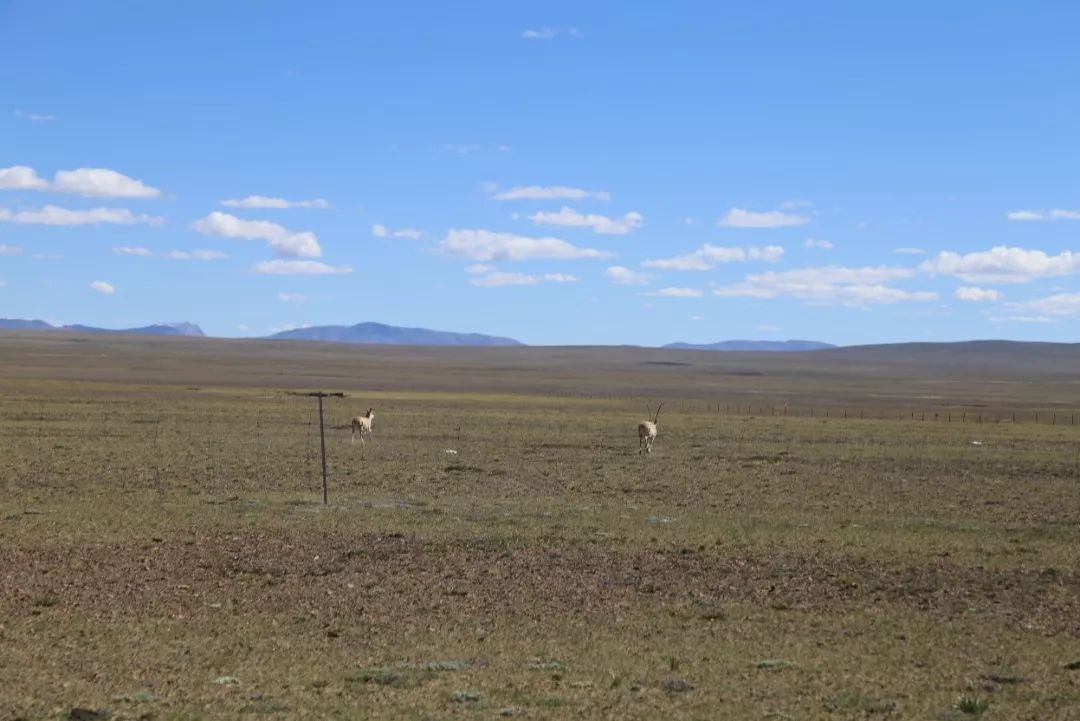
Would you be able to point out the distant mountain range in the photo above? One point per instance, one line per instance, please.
(183, 329)
(390, 334)
(755, 345)
(383, 334)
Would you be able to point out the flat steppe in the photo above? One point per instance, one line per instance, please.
(878, 532)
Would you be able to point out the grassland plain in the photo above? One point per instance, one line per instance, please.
(164, 552)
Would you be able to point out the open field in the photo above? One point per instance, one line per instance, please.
(164, 552)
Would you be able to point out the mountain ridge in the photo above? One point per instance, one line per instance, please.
(383, 334)
(185, 329)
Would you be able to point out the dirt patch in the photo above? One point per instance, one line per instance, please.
(393, 579)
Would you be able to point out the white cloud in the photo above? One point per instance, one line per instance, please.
(197, 255)
(102, 287)
(381, 231)
(816, 243)
(54, 215)
(101, 183)
(1002, 264)
(460, 149)
(262, 201)
(1025, 215)
(709, 256)
(300, 267)
(568, 217)
(550, 33)
(678, 293)
(1054, 305)
(546, 192)
(21, 177)
(739, 218)
(1055, 214)
(976, 295)
(479, 268)
(304, 244)
(88, 182)
(497, 279)
(131, 250)
(292, 297)
(494, 280)
(622, 275)
(486, 245)
(6, 249)
(909, 251)
(832, 285)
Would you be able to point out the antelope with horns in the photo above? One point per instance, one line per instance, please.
(362, 425)
(646, 432)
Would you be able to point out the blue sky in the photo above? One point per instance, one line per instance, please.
(566, 173)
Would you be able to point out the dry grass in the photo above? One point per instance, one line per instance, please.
(165, 554)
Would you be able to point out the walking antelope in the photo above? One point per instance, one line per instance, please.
(362, 424)
(646, 432)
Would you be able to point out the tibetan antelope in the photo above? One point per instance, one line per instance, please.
(646, 432)
(362, 425)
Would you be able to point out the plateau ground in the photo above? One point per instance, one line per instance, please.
(166, 553)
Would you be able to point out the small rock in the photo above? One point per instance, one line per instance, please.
(226, 680)
(537, 664)
(1073, 666)
(466, 696)
(678, 685)
(508, 711)
(773, 664)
